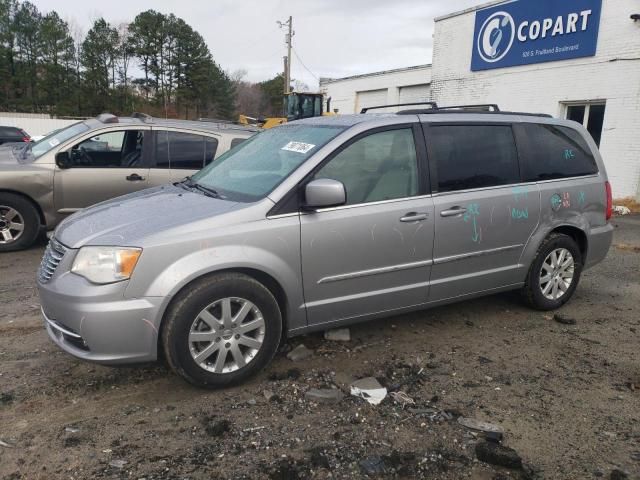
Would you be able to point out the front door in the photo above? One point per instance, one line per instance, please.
(373, 254)
(483, 215)
(103, 166)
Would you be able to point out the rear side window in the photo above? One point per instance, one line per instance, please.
(473, 156)
(211, 145)
(186, 151)
(556, 152)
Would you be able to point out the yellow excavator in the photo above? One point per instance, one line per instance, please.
(297, 105)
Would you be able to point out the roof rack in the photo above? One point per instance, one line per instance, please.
(433, 105)
(142, 116)
(483, 107)
(107, 118)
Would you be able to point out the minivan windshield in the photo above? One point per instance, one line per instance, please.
(54, 139)
(250, 171)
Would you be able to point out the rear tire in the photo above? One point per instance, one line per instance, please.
(221, 330)
(19, 222)
(554, 274)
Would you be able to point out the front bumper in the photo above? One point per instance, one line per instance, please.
(96, 323)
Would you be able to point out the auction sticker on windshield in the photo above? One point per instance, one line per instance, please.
(298, 147)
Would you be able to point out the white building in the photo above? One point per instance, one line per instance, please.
(577, 59)
(403, 85)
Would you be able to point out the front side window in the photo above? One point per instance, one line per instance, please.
(254, 168)
(118, 149)
(474, 156)
(380, 166)
(183, 151)
(556, 152)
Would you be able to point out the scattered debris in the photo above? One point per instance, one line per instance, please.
(117, 463)
(496, 454)
(621, 210)
(325, 395)
(484, 360)
(6, 398)
(291, 374)
(318, 458)
(272, 397)
(402, 398)
(217, 428)
(338, 335)
(5, 444)
(299, 353)
(373, 465)
(370, 389)
(564, 320)
(617, 474)
(71, 430)
(626, 246)
(479, 425)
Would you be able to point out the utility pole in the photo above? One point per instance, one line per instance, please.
(287, 60)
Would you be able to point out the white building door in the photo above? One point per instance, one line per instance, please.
(371, 98)
(415, 93)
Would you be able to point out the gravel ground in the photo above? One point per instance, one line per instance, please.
(565, 394)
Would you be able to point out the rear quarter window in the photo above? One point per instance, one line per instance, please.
(10, 132)
(555, 151)
(237, 141)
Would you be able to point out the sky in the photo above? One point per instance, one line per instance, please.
(333, 38)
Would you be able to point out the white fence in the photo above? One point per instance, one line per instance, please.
(33, 124)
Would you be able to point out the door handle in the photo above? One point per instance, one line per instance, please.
(453, 212)
(414, 217)
(134, 177)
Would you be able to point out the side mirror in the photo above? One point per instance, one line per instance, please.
(324, 193)
(63, 160)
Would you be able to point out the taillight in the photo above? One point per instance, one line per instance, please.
(26, 139)
(609, 213)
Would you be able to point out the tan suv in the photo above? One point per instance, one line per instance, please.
(96, 160)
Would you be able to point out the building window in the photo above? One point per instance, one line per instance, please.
(590, 115)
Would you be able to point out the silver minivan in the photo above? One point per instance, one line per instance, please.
(325, 222)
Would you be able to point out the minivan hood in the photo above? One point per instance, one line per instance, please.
(128, 219)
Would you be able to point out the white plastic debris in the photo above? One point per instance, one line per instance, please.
(620, 210)
(370, 389)
(479, 425)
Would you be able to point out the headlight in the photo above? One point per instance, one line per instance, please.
(106, 264)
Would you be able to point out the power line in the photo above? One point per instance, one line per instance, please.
(305, 67)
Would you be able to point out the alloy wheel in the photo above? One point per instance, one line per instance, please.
(11, 224)
(556, 274)
(226, 335)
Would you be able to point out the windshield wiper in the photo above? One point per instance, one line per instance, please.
(210, 192)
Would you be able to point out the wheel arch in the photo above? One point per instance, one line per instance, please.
(269, 282)
(577, 234)
(30, 200)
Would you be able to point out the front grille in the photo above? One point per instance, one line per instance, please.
(52, 256)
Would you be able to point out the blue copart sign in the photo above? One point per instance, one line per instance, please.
(533, 31)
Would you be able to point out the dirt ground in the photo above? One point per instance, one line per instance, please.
(566, 395)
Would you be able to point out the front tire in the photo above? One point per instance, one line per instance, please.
(221, 330)
(19, 222)
(554, 273)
